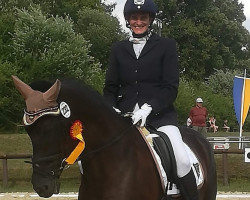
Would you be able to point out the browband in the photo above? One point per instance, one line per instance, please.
(30, 117)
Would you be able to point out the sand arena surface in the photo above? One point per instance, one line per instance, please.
(33, 196)
(73, 196)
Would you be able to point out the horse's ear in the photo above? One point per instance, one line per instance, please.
(22, 87)
(51, 94)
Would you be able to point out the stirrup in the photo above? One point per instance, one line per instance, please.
(166, 196)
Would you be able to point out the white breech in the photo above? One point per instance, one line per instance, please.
(182, 159)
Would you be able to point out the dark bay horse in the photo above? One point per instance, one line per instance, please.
(116, 161)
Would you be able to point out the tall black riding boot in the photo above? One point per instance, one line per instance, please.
(188, 187)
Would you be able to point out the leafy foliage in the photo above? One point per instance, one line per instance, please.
(185, 99)
(10, 111)
(49, 47)
(44, 48)
(221, 82)
(209, 34)
(101, 30)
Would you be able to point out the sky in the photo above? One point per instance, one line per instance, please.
(120, 5)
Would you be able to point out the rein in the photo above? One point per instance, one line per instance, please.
(113, 141)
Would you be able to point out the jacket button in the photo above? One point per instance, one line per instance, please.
(136, 71)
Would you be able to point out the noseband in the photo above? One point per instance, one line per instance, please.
(55, 173)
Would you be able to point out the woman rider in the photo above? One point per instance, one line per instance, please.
(143, 78)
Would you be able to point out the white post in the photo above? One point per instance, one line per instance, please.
(242, 109)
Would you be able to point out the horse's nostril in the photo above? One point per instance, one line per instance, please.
(45, 187)
(41, 189)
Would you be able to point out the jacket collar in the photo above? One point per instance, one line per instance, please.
(152, 41)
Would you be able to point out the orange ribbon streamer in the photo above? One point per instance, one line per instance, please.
(76, 133)
(75, 154)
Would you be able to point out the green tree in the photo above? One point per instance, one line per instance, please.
(49, 47)
(221, 82)
(209, 34)
(185, 100)
(43, 43)
(101, 29)
(67, 7)
(10, 104)
(7, 21)
(44, 48)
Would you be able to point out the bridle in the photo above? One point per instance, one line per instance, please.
(55, 173)
(30, 118)
(33, 116)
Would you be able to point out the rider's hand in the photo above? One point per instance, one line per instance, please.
(142, 114)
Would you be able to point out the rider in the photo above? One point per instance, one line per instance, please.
(143, 78)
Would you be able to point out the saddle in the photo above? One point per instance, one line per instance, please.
(163, 148)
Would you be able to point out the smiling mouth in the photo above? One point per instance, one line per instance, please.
(139, 27)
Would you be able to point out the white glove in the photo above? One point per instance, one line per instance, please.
(142, 114)
(117, 110)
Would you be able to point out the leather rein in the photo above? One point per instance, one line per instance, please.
(111, 142)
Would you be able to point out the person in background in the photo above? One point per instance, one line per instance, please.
(212, 122)
(189, 123)
(225, 126)
(143, 78)
(198, 115)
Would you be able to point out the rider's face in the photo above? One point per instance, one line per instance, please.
(139, 22)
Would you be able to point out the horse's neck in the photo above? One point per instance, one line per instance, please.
(116, 154)
(121, 166)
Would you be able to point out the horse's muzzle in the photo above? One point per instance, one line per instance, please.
(45, 186)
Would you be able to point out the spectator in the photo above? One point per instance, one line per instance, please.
(213, 126)
(198, 115)
(225, 126)
(189, 123)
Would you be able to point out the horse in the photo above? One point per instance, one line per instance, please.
(67, 120)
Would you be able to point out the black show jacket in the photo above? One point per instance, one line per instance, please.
(153, 78)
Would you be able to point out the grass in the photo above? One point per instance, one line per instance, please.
(19, 173)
